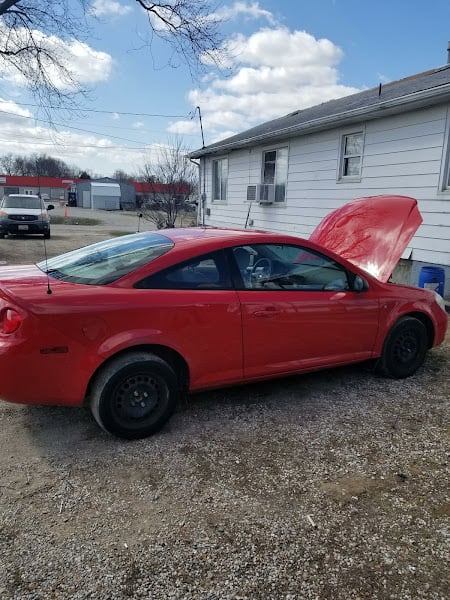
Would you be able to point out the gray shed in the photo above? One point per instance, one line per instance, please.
(106, 194)
(103, 196)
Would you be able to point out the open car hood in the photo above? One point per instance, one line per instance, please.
(372, 232)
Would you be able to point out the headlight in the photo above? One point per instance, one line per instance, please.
(440, 300)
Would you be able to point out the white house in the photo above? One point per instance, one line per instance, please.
(286, 174)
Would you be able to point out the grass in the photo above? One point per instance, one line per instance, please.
(57, 220)
(117, 233)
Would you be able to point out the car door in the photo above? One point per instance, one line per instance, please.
(195, 310)
(299, 311)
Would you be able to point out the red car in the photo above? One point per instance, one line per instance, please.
(129, 324)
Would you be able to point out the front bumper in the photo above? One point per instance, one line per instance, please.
(23, 227)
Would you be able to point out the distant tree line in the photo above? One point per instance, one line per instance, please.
(39, 165)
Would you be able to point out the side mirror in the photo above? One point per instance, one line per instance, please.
(360, 284)
(50, 207)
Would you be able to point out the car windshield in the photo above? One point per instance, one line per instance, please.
(105, 262)
(22, 202)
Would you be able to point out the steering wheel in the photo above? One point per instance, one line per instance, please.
(262, 269)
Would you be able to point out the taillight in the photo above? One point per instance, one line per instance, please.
(10, 320)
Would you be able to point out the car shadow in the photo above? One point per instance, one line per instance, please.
(64, 431)
(68, 431)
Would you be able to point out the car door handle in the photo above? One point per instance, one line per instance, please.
(267, 313)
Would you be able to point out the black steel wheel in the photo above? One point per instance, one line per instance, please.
(404, 348)
(134, 395)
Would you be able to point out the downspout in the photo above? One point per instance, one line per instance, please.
(200, 209)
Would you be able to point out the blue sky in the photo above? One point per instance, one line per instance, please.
(286, 55)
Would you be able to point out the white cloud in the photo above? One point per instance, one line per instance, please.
(383, 78)
(273, 72)
(138, 125)
(183, 127)
(21, 134)
(86, 64)
(101, 8)
(89, 65)
(9, 110)
(161, 17)
(250, 10)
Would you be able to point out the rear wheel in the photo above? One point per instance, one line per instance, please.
(134, 395)
(404, 348)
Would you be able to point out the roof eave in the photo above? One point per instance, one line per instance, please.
(383, 108)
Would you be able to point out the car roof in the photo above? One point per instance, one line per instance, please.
(22, 196)
(196, 234)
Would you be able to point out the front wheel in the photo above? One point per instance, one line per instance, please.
(404, 348)
(47, 235)
(134, 395)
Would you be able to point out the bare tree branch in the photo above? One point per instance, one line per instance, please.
(188, 26)
(179, 178)
(34, 33)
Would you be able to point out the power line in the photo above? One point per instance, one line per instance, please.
(106, 112)
(64, 145)
(70, 127)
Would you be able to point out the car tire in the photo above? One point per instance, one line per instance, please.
(47, 235)
(2, 235)
(404, 348)
(134, 395)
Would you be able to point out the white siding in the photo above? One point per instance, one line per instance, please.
(403, 154)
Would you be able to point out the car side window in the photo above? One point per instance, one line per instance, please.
(288, 267)
(206, 272)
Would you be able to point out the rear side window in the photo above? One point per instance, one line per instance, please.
(206, 272)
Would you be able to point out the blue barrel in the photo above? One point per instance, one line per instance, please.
(432, 278)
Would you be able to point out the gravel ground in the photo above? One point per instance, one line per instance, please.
(330, 485)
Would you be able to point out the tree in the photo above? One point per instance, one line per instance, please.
(172, 184)
(7, 164)
(121, 175)
(36, 165)
(30, 29)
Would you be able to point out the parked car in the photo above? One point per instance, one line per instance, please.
(127, 325)
(24, 214)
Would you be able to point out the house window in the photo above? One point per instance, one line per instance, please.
(220, 177)
(352, 146)
(275, 169)
(445, 181)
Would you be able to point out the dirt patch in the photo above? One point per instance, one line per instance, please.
(330, 485)
(79, 228)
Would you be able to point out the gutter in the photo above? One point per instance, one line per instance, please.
(423, 97)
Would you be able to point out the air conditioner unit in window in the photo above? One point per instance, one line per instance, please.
(264, 193)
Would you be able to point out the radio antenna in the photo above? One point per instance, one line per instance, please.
(49, 289)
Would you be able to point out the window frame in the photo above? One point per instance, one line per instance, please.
(275, 149)
(343, 156)
(223, 197)
(444, 179)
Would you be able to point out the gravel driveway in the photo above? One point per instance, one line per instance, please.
(330, 485)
